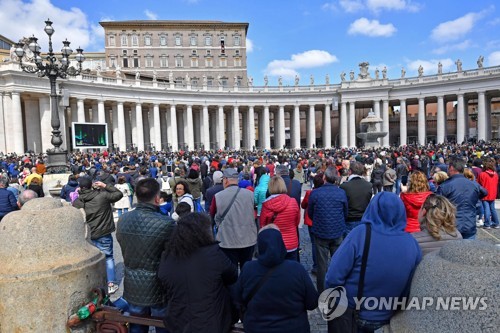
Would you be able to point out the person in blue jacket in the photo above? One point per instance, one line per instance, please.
(282, 301)
(392, 259)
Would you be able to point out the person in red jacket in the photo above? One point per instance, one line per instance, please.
(413, 199)
(317, 182)
(283, 211)
(489, 180)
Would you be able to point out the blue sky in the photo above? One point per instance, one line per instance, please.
(288, 37)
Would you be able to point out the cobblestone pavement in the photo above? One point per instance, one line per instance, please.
(318, 325)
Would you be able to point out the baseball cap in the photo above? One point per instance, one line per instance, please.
(217, 177)
(230, 173)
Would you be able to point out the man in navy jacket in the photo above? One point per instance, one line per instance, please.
(327, 209)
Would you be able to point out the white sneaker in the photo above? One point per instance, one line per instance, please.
(479, 223)
(112, 288)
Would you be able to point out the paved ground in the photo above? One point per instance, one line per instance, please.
(318, 325)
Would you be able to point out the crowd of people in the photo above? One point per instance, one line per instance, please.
(212, 237)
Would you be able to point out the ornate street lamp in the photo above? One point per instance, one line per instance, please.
(51, 67)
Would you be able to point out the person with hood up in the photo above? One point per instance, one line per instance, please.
(284, 212)
(284, 297)
(260, 192)
(393, 256)
(71, 186)
(489, 180)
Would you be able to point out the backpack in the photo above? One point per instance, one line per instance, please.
(165, 185)
(74, 195)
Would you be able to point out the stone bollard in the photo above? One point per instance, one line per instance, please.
(462, 271)
(47, 267)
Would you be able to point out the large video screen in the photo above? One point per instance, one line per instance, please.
(90, 135)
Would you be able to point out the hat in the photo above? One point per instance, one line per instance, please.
(282, 170)
(84, 182)
(217, 177)
(230, 173)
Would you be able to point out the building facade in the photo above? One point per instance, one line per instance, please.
(143, 114)
(187, 52)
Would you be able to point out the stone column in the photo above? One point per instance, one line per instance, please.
(376, 111)
(421, 121)
(33, 129)
(107, 118)
(189, 124)
(440, 120)
(139, 127)
(280, 128)
(74, 110)
(385, 123)
(122, 139)
(266, 129)
(236, 128)
(81, 110)
(488, 116)
(17, 131)
(101, 116)
(114, 115)
(352, 124)
(481, 115)
(149, 127)
(62, 128)
(403, 135)
(296, 127)
(311, 127)
(157, 126)
(2, 124)
(343, 124)
(45, 134)
(205, 120)
(327, 126)
(251, 127)
(95, 116)
(173, 127)
(221, 141)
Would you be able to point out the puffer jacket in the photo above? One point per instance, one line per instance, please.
(327, 208)
(489, 180)
(98, 211)
(464, 194)
(142, 234)
(286, 215)
(413, 202)
(260, 192)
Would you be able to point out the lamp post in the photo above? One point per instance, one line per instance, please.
(52, 67)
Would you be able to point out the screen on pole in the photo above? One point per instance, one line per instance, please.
(90, 135)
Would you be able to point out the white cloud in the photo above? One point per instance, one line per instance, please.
(430, 66)
(307, 59)
(494, 22)
(351, 6)
(494, 59)
(329, 6)
(455, 29)
(22, 19)
(378, 5)
(454, 47)
(150, 15)
(249, 44)
(372, 28)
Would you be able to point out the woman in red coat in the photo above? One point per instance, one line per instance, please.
(283, 211)
(489, 180)
(413, 199)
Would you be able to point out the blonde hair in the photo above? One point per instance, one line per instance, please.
(277, 185)
(440, 215)
(418, 183)
(468, 174)
(440, 177)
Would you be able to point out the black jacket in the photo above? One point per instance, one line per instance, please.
(359, 194)
(8, 202)
(142, 234)
(98, 211)
(197, 295)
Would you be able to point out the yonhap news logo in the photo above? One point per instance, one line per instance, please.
(333, 303)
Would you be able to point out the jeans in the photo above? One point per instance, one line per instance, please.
(155, 311)
(350, 226)
(121, 211)
(292, 255)
(325, 248)
(490, 213)
(105, 245)
(468, 236)
(480, 209)
(398, 186)
(389, 188)
(239, 256)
